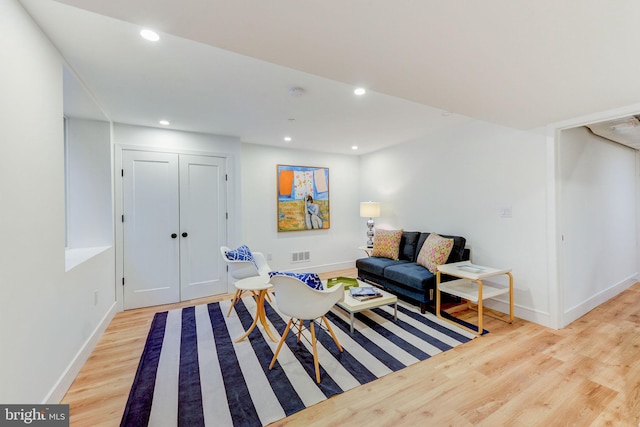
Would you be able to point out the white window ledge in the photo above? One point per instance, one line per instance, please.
(75, 257)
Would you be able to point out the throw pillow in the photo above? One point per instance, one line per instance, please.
(387, 243)
(434, 252)
(243, 253)
(310, 279)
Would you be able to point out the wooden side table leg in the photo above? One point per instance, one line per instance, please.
(438, 294)
(510, 297)
(251, 328)
(480, 308)
(263, 315)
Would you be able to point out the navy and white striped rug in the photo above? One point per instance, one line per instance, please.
(193, 373)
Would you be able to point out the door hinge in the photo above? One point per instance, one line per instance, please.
(123, 281)
(226, 177)
(122, 218)
(226, 215)
(121, 172)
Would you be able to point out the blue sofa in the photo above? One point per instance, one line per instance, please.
(405, 277)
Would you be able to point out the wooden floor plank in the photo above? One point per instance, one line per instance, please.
(520, 374)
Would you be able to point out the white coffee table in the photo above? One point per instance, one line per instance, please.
(353, 306)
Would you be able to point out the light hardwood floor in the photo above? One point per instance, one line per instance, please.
(519, 374)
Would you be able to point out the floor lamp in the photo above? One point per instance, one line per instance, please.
(370, 210)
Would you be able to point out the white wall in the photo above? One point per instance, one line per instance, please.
(456, 182)
(90, 211)
(48, 316)
(598, 196)
(332, 249)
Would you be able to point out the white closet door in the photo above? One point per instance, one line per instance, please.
(151, 217)
(203, 222)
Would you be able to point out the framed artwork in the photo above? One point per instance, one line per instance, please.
(303, 198)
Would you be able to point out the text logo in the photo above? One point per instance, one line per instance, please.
(34, 415)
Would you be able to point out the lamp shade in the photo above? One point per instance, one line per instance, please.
(369, 209)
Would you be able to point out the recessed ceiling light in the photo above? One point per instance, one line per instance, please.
(150, 35)
(164, 122)
(360, 91)
(354, 147)
(287, 138)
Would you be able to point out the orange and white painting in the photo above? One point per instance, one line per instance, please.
(303, 198)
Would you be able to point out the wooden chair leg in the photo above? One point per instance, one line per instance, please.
(315, 351)
(235, 299)
(335, 339)
(286, 331)
(300, 325)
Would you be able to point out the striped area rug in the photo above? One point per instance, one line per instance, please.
(193, 373)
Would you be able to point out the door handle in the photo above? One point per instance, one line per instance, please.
(174, 235)
(184, 234)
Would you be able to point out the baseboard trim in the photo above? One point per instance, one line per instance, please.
(64, 383)
(594, 301)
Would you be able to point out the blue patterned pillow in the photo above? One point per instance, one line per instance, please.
(310, 279)
(241, 254)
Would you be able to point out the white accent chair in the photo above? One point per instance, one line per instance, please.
(243, 269)
(298, 300)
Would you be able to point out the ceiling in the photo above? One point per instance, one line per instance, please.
(226, 67)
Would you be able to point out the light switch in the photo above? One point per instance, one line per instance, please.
(506, 212)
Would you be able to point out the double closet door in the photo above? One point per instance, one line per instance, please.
(174, 222)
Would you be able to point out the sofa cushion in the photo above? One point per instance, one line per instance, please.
(387, 243)
(434, 252)
(408, 244)
(376, 265)
(457, 252)
(411, 275)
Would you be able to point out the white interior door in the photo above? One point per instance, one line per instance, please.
(151, 216)
(202, 226)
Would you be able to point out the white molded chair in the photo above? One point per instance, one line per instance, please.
(294, 298)
(243, 269)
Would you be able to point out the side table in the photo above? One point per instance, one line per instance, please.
(469, 286)
(368, 250)
(261, 285)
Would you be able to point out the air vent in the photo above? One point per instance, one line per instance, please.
(300, 256)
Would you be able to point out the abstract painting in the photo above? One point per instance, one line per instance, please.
(303, 198)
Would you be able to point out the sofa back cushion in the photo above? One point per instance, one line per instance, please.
(408, 245)
(457, 252)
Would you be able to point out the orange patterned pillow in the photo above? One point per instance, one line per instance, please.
(387, 243)
(435, 251)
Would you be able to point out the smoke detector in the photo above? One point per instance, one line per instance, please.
(296, 91)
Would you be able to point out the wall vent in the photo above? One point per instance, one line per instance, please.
(300, 256)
